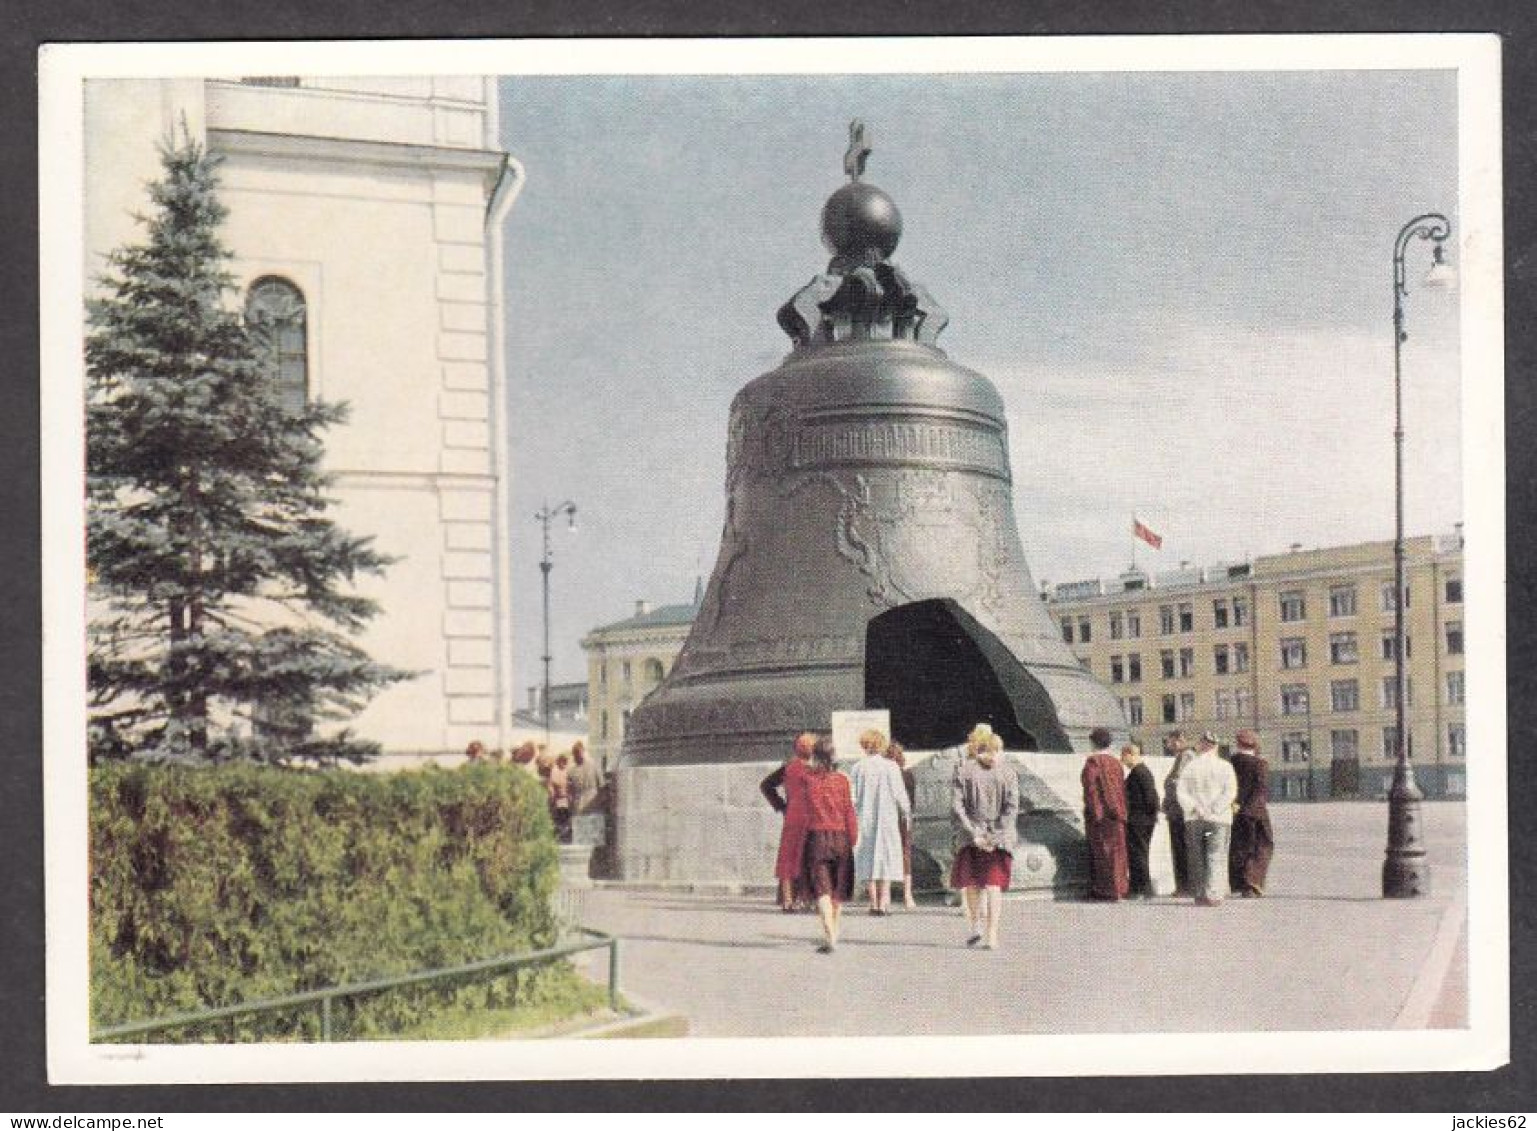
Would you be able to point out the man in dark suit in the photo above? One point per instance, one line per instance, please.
(1141, 818)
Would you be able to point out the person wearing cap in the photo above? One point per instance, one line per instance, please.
(1177, 747)
(1141, 818)
(1104, 819)
(1208, 791)
(1253, 841)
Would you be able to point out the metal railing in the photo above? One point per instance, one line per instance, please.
(596, 940)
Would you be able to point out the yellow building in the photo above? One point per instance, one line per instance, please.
(626, 661)
(1297, 646)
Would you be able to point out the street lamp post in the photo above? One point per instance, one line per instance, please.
(1406, 871)
(546, 564)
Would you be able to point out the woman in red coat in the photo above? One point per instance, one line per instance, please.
(792, 803)
(832, 827)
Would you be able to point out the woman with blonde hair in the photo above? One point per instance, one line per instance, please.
(880, 800)
(985, 808)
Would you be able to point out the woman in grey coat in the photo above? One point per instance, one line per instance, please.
(985, 808)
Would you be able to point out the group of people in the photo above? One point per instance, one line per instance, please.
(570, 779)
(845, 831)
(842, 831)
(1217, 810)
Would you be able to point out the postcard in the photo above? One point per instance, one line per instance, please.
(736, 558)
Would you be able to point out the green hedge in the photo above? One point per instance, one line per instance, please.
(217, 885)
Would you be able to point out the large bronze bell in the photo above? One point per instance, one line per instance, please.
(870, 556)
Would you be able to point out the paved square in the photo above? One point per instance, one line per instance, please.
(1322, 951)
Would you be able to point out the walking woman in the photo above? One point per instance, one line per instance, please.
(791, 803)
(880, 801)
(910, 784)
(985, 808)
(832, 830)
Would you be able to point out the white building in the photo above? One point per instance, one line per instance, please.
(366, 217)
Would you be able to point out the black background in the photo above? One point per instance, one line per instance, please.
(23, 1084)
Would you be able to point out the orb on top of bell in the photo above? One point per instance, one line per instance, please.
(861, 223)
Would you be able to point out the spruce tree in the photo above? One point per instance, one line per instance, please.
(222, 593)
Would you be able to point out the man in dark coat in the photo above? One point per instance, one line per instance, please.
(1253, 842)
(1104, 819)
(1176, 746)
(1141, 818)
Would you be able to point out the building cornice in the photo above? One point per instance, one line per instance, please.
(490, 164)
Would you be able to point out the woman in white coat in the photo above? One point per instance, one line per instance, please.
(880, 800)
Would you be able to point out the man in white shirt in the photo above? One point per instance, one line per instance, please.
(1208, 791)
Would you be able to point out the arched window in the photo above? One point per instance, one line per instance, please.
(276, 317)
(651, 671)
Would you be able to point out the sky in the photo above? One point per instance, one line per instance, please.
(1180, 283)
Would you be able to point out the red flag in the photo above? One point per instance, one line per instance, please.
(1142, 532)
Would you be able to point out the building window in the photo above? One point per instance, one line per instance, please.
(1170, 710)
(1133, 624)
(603, 725)
(1166, 657)
(1387, 597)
(1345, 695)
(1165, 619)
(1083, 630)
(1134, 710)
(1186, 617)
(1454, 638)
(1219, 659)
(1345, 745)
(1390, 743)
(1390, 693)
(624, 671)
(1224, 703)
(1293, 606)
(1342, 601)
(651, 671)
(1117, 626)
(1117, 670)
(602, 675)
(1294, 746)
(1067, 630)
(277, 321)
(1186, 706)
(1186, 663)
(1294, 652)
(1134, 668)
(1390, 646)
(1240, 657)
(1454, 590)
(1240, 611)
(1219, 613)
(1455, 692)
(1342, 648)
(1294, 699)
(1243, 703)
(1456, 740)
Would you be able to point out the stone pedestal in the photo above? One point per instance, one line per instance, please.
(708, 826)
